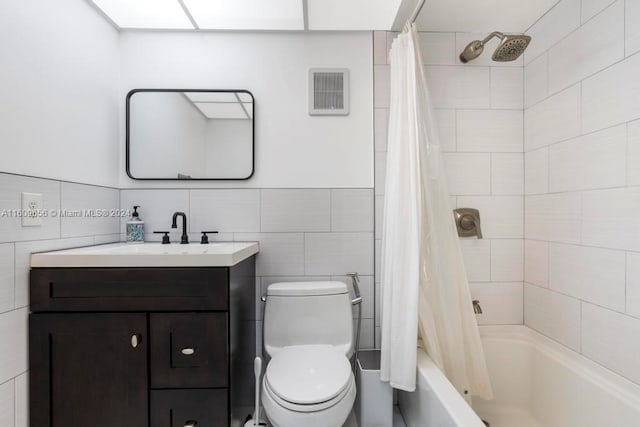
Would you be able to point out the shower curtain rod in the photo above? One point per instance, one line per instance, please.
(417, 10)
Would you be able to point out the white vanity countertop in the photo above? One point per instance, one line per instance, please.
(216, 254)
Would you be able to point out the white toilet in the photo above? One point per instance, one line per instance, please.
(308, 334)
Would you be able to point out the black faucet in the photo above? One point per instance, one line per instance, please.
(185, 238)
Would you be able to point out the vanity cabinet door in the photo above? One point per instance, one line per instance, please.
(88, 369)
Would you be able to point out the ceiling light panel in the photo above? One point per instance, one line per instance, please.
(222, 110)
(247, 14)
(166, 14)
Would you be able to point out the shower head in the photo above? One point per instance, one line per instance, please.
(510, 48)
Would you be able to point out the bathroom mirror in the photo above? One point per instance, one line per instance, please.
(190, 134)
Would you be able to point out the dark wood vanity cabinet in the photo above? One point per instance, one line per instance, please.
(160, 347)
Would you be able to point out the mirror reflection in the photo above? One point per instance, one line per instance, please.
(195, 134)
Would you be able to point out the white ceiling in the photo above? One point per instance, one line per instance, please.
(323, 15)
(511, 16)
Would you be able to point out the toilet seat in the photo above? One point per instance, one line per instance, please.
(308, 378)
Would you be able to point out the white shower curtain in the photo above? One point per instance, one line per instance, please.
(425, 291)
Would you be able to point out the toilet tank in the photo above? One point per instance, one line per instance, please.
(304, 313)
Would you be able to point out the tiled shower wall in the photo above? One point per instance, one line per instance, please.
(304, 234)
(16, 243)
(478, 107)
(582, 180)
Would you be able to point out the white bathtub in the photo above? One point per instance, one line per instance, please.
(536, 381)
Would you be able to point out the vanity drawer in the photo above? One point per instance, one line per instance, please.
(129, 289)
(180, 408)
(189, 350)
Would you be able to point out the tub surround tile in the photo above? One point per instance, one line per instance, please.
(459, 86)
(536, 78)
(633, 153)
(536, 171)
(501, 216)
(555, 119)
(291, 210)
(468, 174)
(477, 258)
(507, 174)
(501, 303)
(591, 48)
(553, 217)
(438, 48)
(507, 87)
(603, 331)
(22, 400)
(632, 30)
(552, 27)
(590, 274)
(381, 129)
(590, 8)
(382, 85)
(507, 258)
(536, 262)
(224, 210)
(610, 97)
(552, 314)
(489, 130)
(609, 218)
(446, 121)
(380, 172)
(633, 284)
(597, 160)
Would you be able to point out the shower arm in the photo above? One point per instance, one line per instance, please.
(490, 36)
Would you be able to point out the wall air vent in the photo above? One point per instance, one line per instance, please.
(328, 92)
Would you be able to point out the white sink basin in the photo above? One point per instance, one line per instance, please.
(217, 254)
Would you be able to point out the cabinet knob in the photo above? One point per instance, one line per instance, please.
(188, 351)
(135, 340)
(190, 423)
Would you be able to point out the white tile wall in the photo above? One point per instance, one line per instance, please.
(7, 407)
(223, 210)
(157, 208)
(507, 260)
(338, 253)
(560, 21)
(553, 217)
(477, 258)
(633, 283)
(592, 47)
(536, 171)
(536, 262)
(583, 187)
(590, 274)
(22, 400)
(77, 197)
(352, 210)
(609, 218)
(553, 314)
(468, 174)
(536, 80)
(611, 96)
(507, 87)
(555, 119)
(438, 48)
(597, 160)
(507, 170)
(501, 303)
(446, 120)
(501, 216)
(284, 210)
(633, 153)
(593, 7)
(632, 30)
(609, 338)
(457, 87)
(489, 130)
(13, 330)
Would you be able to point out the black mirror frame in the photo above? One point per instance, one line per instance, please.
(253, 134)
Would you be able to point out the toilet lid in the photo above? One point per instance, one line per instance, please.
(308, 374)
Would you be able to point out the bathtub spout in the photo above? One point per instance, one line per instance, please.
(476, 307)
